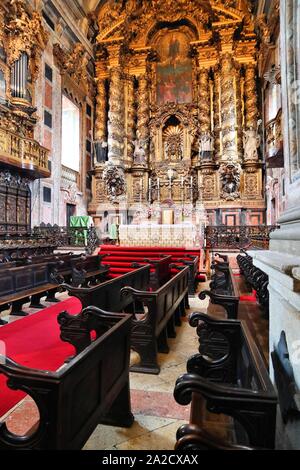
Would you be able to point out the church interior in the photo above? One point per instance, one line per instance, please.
(150, 225)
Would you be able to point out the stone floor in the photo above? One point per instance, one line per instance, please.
(157, 415)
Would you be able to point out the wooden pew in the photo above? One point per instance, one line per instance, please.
(163, 312)
(18, 285)
(230, 376)
(88, 270)
(256, 279)
(92, 388)
(223, 291)
(107, 295)
(161, 272)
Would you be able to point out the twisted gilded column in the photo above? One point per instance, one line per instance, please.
(251, 97)
(101, 113)
(143, 112)
(131, 116)
(217, 112)
(228, 108)
(239, 109)
(204, 101)
(116, 116)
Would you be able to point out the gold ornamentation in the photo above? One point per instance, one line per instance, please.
(228, 109)
(116, 115)
(251, 96)
(131, 116)
(73, 64)
(204, 101)
(24, 32)
(101, 115)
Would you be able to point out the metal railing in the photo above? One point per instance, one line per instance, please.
(237, 237)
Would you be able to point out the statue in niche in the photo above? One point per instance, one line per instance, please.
(252, 142)
(230, 181)
(139, 155)
(206, 144)
(101, 151)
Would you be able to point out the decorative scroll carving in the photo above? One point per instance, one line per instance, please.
(230, 175)
(114, 178)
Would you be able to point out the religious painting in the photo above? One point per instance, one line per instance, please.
(174, 71)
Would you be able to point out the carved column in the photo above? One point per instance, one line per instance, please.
(131, 117)
(251, 97)
(101, 112)
(239, 109)
(228, 109)
(143, 112)
(217, 112)
(204, 101)
(116, 116)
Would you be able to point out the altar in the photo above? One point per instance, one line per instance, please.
(185, 235)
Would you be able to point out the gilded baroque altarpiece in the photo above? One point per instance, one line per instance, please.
(177, 116)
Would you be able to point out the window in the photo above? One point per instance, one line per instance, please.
(70, 134)
(46, 194)
(48, 73)
(48, 119)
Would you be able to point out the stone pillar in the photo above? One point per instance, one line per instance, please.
(228, 109)
(131, 117)
(251, 97)
(282, 262)
(204, 101)
(116, 117)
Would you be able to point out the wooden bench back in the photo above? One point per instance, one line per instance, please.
(23, 278)
(74, 400)
(107, 295)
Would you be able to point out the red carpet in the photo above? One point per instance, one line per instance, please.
(34, 342)
(249, 298)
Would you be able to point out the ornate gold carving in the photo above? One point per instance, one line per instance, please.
(101, 115)
(228, 109)
(143, 111)
(217, 112)
(74, 64)
(24, 32)
(116, 116)
(230, 175)
(204, 101)
(251, 96)
(21, 151)
(131, 116)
